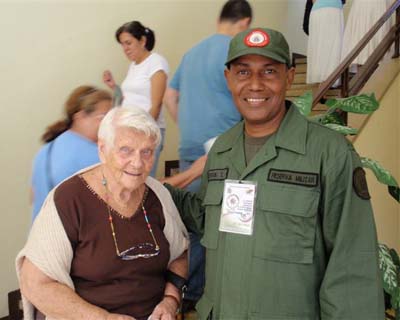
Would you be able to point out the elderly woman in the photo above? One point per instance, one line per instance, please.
(108, 242)
(70, 143)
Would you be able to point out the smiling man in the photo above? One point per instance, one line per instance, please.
(283, 210)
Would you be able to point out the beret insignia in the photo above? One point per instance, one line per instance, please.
(257, 38)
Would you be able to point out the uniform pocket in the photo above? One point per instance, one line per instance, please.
(285, 223)
(212, 204)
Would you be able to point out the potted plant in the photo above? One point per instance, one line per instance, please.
(389, 262)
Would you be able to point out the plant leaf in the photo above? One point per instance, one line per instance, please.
(394, 192)
(380, 173)
(341, 129)
(331, 102)
(304, 103)
(395, 299)
(334, 118)
(363, 103)
(388, 269)
(395, 257)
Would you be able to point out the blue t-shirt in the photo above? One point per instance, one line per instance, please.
(206, 108)
(70, 153)
(327, 4)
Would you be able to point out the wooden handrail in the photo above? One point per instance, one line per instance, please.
(343, 69)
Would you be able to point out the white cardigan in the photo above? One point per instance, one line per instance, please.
(49, 248)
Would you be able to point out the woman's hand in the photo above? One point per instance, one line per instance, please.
(165, 310)
(108, 79)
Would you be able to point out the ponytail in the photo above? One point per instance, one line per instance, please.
(55, 129)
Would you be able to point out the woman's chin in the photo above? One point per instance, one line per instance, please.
(132, 182)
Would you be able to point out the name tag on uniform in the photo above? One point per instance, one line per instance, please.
(237, 212)
(306, 179)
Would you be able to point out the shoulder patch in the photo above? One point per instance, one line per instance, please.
(306, 179)
(360, 183)
(217, 174)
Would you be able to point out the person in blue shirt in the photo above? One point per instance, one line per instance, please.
(198, 99)
(70, 143)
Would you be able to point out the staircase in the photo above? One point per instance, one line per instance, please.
(299, 86)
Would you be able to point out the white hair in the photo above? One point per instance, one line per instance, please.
(128, 117)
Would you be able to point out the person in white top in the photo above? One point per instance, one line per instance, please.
(146, 81)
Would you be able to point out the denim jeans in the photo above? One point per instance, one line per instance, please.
(158, 152)
(196, 278)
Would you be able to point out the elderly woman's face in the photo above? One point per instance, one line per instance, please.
(131, 159)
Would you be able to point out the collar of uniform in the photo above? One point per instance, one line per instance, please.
(292, 133)
(233, 136)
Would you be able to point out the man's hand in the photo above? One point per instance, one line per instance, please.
(108, 79)
(165, 310)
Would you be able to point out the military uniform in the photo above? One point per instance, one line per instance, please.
(313, 251)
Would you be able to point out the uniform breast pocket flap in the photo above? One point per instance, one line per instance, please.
(285, 223)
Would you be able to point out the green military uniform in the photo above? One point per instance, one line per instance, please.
(313, 251)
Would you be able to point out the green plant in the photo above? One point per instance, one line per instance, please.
(389, 262)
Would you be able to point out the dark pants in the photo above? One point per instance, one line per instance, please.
(196, 279)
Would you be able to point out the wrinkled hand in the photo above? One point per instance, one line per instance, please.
(115, 316)
(165, 310)
(108, 79)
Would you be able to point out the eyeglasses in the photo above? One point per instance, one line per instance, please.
(130, 254)
(143, 250)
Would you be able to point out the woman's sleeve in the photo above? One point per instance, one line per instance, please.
(158, 63)
(48, 248)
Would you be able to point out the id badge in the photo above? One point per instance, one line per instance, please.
(237, 212)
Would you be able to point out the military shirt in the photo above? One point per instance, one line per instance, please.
(313, 251)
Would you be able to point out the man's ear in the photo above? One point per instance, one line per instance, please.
(290, 77)
(243, 24)
(227, 78)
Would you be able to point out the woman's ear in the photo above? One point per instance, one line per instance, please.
(102, 149)
(143, 41)
(78, 115)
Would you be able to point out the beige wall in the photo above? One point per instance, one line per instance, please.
(51, 46)
(380, 140)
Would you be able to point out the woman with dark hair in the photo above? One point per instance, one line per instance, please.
(70, 143)
(146, 81)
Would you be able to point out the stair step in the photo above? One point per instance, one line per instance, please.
(304, 86)
(299, 92)
(301, 68)
(320, 108)
(300, 60)
(300, 78)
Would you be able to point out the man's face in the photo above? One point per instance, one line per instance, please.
(258, 85)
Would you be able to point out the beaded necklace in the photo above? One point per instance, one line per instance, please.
(141, 247)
